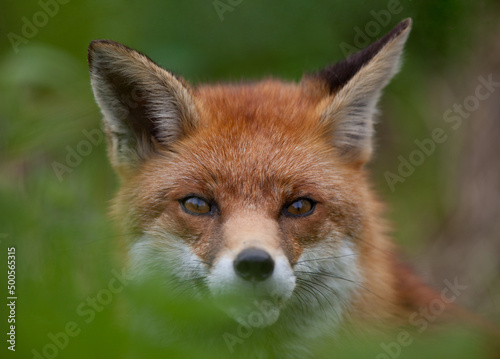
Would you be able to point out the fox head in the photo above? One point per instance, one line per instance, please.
(253, 190)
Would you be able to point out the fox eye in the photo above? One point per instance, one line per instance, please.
(195, 205)
(300, 207)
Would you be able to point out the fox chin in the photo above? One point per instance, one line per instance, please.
(255, 195)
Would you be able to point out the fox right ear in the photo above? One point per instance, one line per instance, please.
(145, 107)
(351, 89)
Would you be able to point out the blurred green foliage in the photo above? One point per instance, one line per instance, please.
(60, 226)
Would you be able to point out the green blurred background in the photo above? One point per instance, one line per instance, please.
(446, 214)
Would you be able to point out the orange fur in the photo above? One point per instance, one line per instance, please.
(248, 151)
(245, 130)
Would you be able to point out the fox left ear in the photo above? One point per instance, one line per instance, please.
(352, 88)
(145, 107)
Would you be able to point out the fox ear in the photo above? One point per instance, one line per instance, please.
(352, 88)
(145, 107)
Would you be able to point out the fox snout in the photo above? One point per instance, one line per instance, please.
(255, 265)
(250, 265)
(251, 257)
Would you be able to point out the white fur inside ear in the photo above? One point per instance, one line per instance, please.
(140, 101)
(351, 111)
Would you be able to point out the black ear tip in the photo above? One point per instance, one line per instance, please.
(339, 74)
(93, 47)
(90, 52)
(99, 44)
(96, 45)
(397, 30)
(405, 24)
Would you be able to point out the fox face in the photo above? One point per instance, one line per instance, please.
(251, 202)
(253, 191)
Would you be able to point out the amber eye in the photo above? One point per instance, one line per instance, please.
(301, 207)
(195, 205)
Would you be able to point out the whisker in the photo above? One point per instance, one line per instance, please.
(310, 285)
(302, 300)
(334, 292)
(311, 292)
(202, 262)
(337, 277)
(323, 259)
(313, 289)
(317, 283)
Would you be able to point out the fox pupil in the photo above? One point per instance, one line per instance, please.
(300, 207)
(195, 205)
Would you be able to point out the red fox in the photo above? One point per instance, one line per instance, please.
(258, 191)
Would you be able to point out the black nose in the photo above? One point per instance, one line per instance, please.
(254, 264)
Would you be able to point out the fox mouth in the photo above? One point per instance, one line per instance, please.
(251, 298)
(257, 311)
